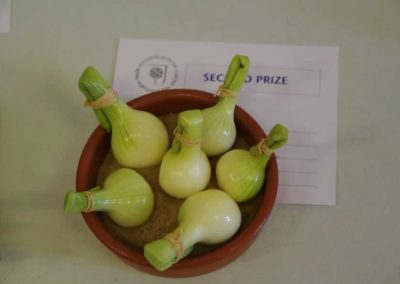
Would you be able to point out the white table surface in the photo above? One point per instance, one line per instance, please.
(43, 129)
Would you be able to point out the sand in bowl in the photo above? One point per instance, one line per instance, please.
(164, 217)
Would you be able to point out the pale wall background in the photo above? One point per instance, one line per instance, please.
(43, 129)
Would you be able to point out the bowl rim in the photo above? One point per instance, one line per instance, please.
(199, 264)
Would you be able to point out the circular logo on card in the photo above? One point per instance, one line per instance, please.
(156, 73)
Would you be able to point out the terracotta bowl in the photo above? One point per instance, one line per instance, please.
(163, 102)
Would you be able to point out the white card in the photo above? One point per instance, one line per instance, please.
(5, 9)
(293, 85)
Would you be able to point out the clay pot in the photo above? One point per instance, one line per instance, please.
(162, 102)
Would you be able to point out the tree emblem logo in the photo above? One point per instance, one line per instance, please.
(156, 73)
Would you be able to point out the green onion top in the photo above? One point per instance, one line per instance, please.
(94, 86)
(237, 73)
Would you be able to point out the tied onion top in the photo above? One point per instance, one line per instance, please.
(138, 138)
(219, 130)
(185, 168)
(125, 196)
(241, 173)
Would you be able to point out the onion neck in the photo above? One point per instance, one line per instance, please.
(179, 148)
(75, 202)
(116, 113)
(79, 201)
(189, 128)
(163, 253)
(227, 105)
(277, 137)
(94, 86)
(263, 158)
(190, 236)
(237, 73)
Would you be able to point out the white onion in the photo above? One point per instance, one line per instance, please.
(138, 139)
(219, 130)
(185, 168)
(210, 217)
(125, 196)
(241, 173)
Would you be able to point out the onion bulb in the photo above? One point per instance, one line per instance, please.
(241, 173)
(138, 138)
(219, 130)
(185, 168)
(210, 217)
(125, 196)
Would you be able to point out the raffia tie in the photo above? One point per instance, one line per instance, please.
(90, 202)
(185, 141)
(176, 240)
(224, 92)
(263, 148)
(106, 100)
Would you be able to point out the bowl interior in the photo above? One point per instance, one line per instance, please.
(160, 103)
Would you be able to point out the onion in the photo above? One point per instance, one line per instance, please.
(210, 217)
(126, 197)
(185, 168)
(219, 130)
(138, 138)
(241, 173)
